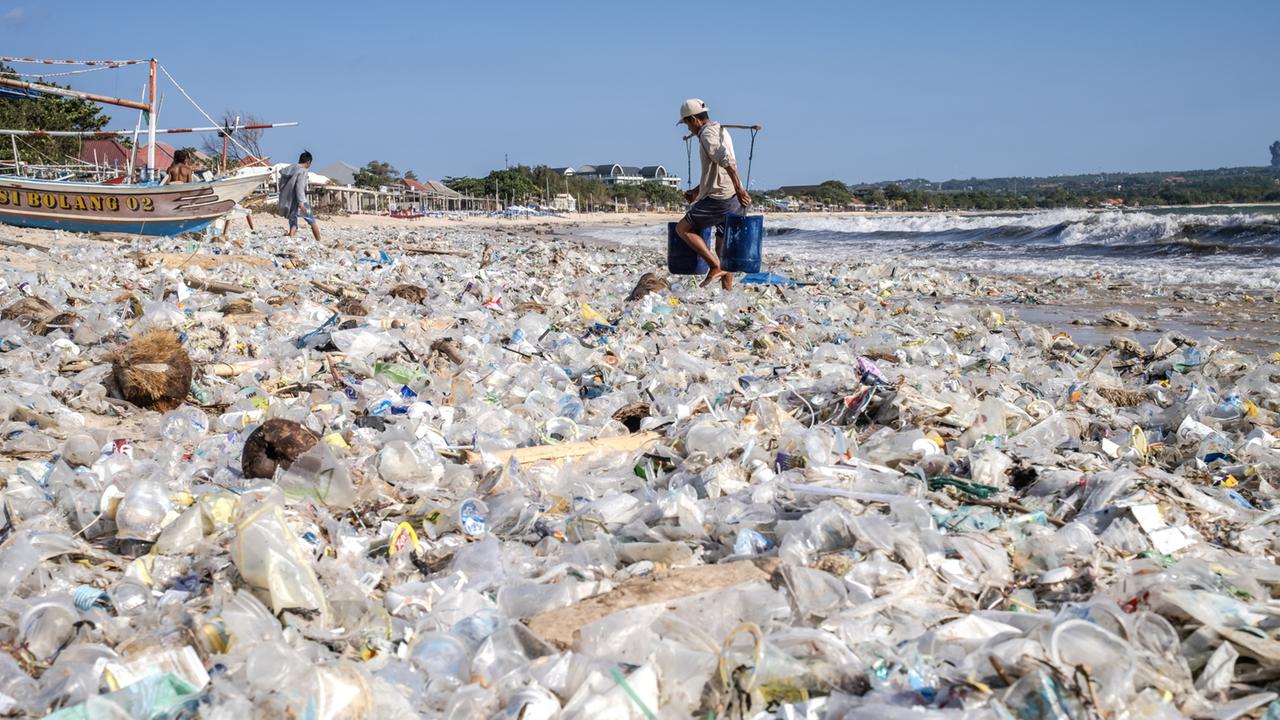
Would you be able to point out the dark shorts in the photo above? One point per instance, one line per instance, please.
(710, 212)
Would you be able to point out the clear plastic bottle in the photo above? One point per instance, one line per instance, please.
(142, 510)
(185, 425)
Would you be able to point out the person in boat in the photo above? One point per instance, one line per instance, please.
(180, 171)
(718, 193)
(293, 196)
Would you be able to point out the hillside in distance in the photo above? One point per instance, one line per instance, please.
(1133, 189)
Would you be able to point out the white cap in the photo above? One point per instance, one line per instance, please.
(692, 106)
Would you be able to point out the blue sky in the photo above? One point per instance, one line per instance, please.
(848, 90)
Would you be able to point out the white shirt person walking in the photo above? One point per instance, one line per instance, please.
(718, 193)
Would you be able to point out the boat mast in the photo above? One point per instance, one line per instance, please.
(151, 123)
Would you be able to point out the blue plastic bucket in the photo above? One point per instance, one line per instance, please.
(742, 241)
(681, 259)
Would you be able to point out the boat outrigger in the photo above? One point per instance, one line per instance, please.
(147, 207)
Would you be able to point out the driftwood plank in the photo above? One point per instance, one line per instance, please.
(567, 451)
(560, 627)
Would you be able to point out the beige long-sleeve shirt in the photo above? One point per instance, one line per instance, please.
(715, 150)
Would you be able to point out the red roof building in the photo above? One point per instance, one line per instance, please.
(415, 185)
(108, 152)
(164, 156)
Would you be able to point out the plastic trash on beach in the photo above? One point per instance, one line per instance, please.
(468, 472)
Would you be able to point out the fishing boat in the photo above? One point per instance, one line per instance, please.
(147, 207)
(144, 209)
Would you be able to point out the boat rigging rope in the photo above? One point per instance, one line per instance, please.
(206, 115)
(42, 76)
(108, 63)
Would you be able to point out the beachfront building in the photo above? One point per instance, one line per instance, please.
(618, 174)
(405, 195)
(564, 202)
(433, 195)
(339, 173)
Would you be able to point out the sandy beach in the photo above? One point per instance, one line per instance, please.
(585, 473)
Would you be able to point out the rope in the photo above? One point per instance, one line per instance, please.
(622, 683)
(757, 655)
(64, 74)
(37, 61)
(688, 152)
(206, 115)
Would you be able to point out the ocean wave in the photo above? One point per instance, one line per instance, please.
(1077, 220)
(932, 223)
(1159, 245)
(1087, 231)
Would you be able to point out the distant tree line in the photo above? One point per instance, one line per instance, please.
(525, 185)
(1192, 187)
(46, 112)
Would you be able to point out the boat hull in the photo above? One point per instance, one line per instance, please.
(141, 209)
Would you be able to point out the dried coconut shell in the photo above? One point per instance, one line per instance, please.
(632, 414)
(412, 293)
(649, 283)
(350, 306)
(276, 443)
(239, 306)
(1121, 397)
(65, 321)
(153, 370)
(448, 348)
(30, 311)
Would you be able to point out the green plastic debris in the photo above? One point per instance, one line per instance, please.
(977, 490)
(156, 697)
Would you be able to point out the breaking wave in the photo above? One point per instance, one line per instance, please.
(1057, 233)
(1207, 245)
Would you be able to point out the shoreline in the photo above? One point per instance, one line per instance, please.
(1214, 309)
(653, 217)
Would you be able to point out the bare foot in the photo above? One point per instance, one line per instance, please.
(712, 275)
(726, 281)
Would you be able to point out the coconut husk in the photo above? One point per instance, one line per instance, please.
(448, 348)
(412, 293)
(239, 306)
(632, 415)
(350, 306)
(882, 356)
(31, 311)
(153, 370)
(649, 283)
(275, 443)
(62, 321)
(1121, 397)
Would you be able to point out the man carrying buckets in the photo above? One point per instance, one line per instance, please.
(718, 193)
